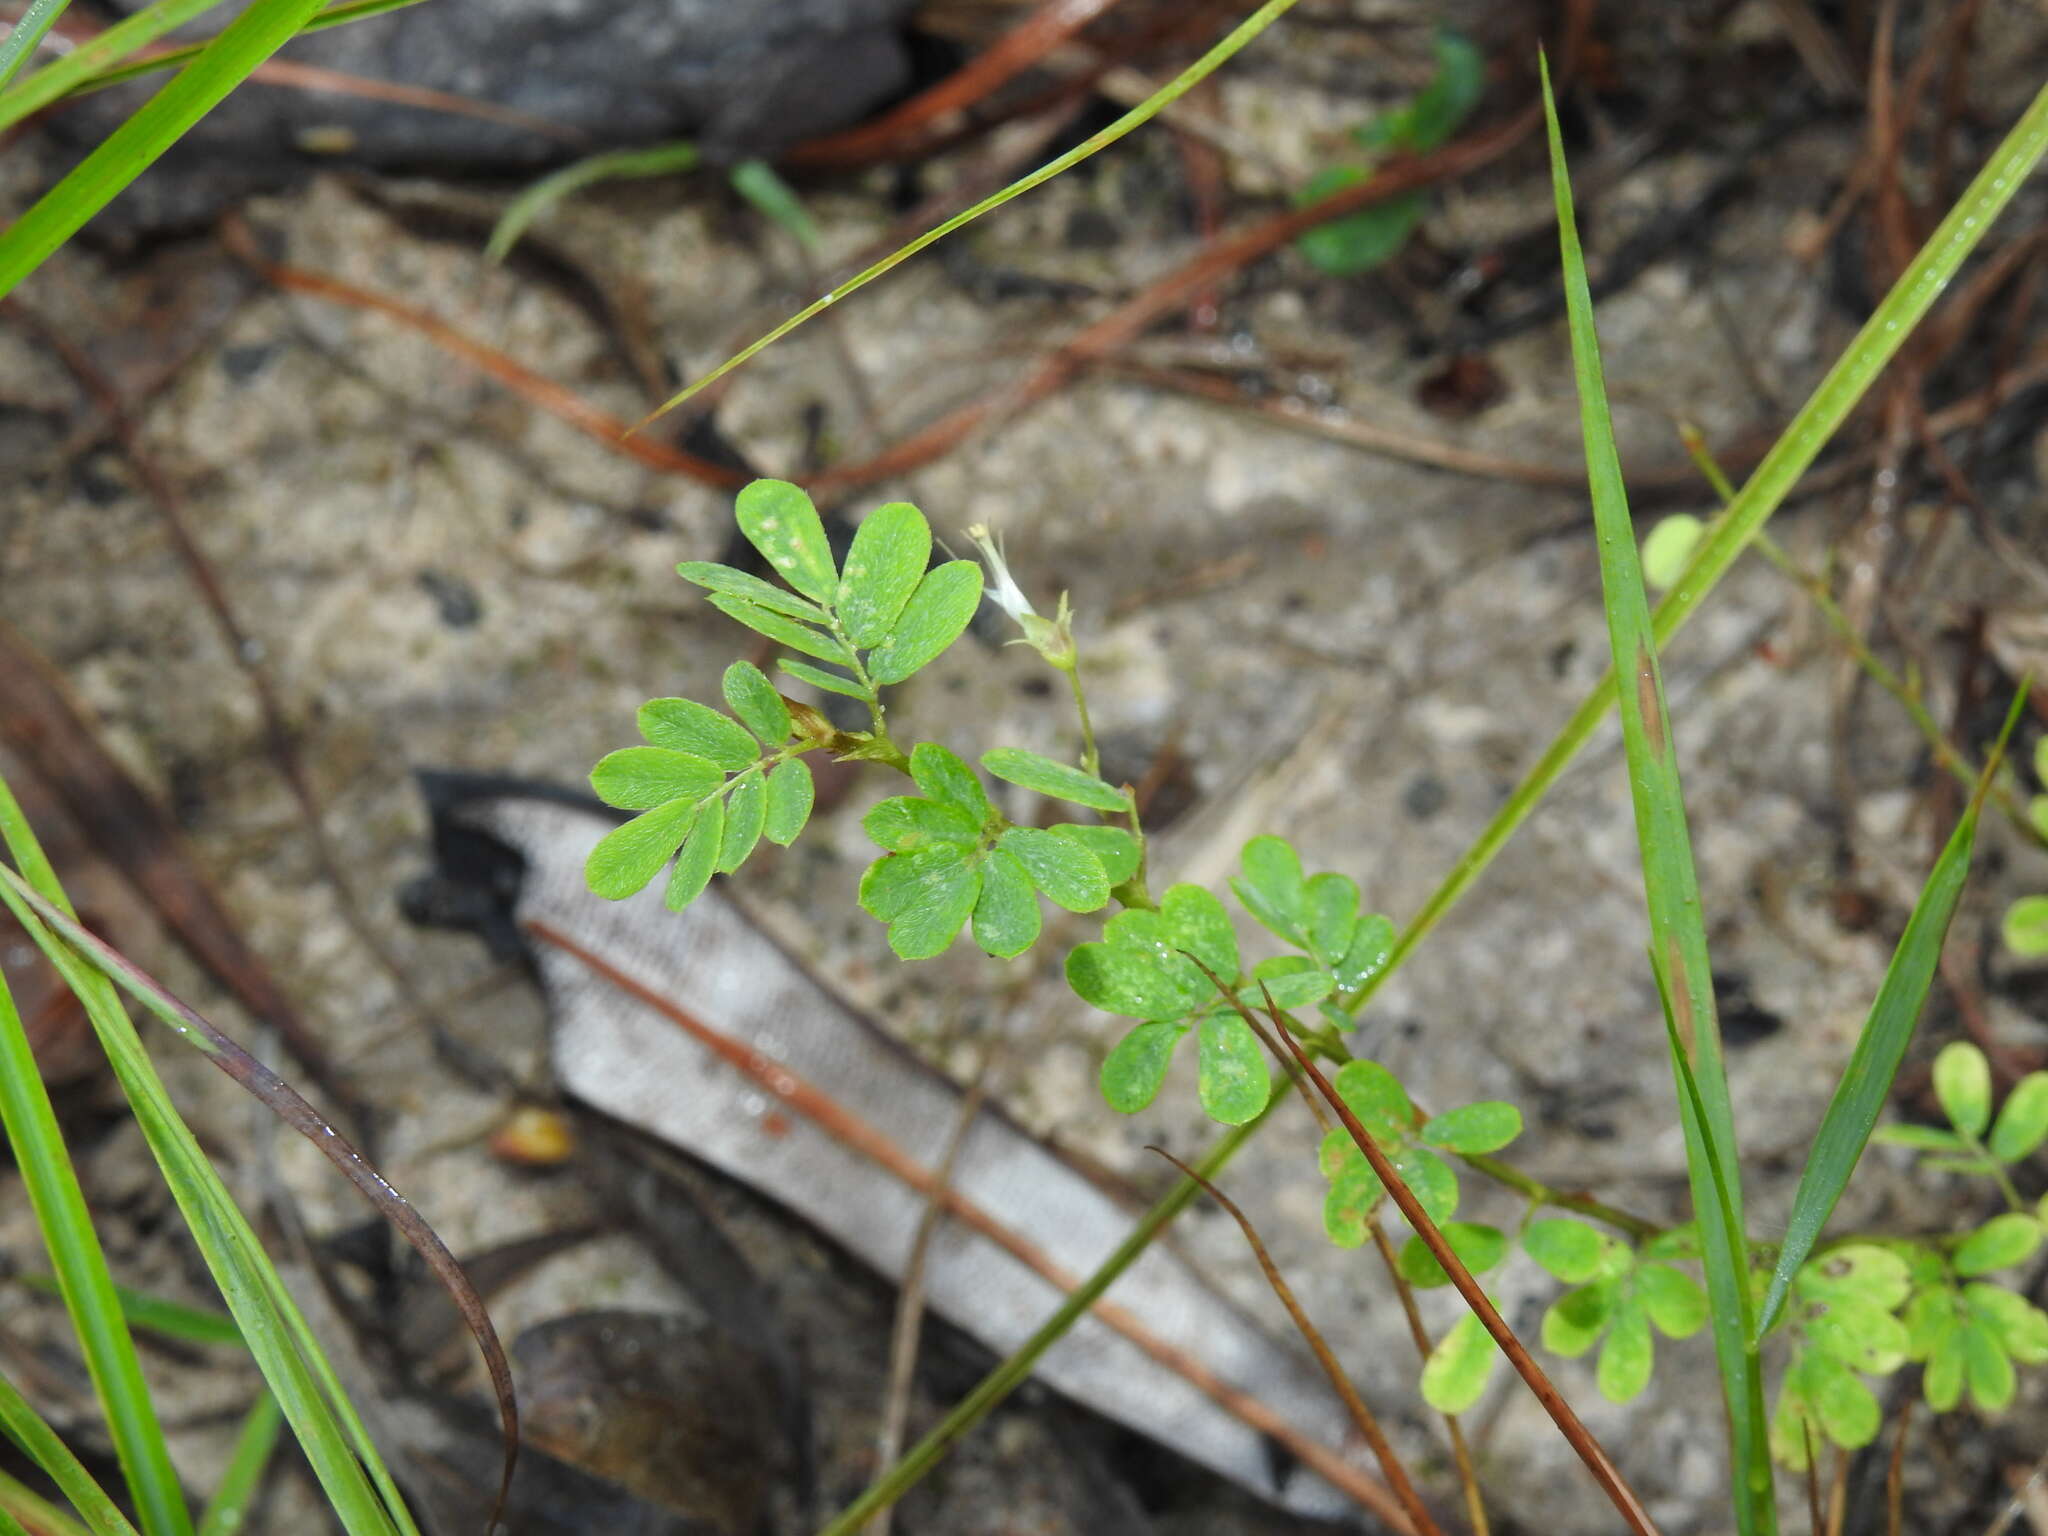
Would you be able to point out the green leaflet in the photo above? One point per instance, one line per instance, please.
(684, 725)
(750, 695)
(932, 620)
(1006, 918)
(779, 520)
(791, 793)
(1028, 770)
(887, 559)
(1134, 1070)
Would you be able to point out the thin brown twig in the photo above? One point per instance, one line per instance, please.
(1895, 1472)
(1418, 1331)
(1361, 1416)
(1838, 1493)
(1581, 1440)
(1813, 1515)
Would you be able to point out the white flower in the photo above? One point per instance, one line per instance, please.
(1052, 638)
(1003, 590)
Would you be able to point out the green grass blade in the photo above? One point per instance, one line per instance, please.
(1139, 115)
(1866, 1084)
(1671, 886)
(20, 43)
(84, 1281)
(60, 77)
(25, 1427)
(177, 58)
(756, 181)
(229, 1507)
(24, 1511)
(268, 1320)
(130, 149)
(153, 1314)
(615, 165)
(1794, 452)
(1013, 1372)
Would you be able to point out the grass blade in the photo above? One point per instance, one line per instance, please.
(22, 38)
(131, 148)
(615, 165)
(335, 15)
(24, 1512)
(60, 77)
(25, 1427)
(1139, 115)
(153, 1314)
(1866, 1084)
(84, 1280)
(229, 1507)
(245, 1277)
(1894, 320)
(1678, 935)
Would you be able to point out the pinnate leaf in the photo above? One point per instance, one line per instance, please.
(1429, 1179)
(1332, 916)
(2025, 926)
(1061, 781)
(1287, 981)
(1138, 982)
(779, 520)
(1577, 1318)
(1372, 946)
(932, 620)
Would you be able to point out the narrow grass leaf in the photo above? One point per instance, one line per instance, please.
(61, 76)
(615, 165)
(131, 148)
(1677, 933)
(1164, 97)
(756, 181)
(26, 1428)
(1866, 1083)
(228, 1510)
(155, 1314)
(86, 1284)
(27, 31)
(19, 1503)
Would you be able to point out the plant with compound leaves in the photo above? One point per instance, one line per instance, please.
(709, 785)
